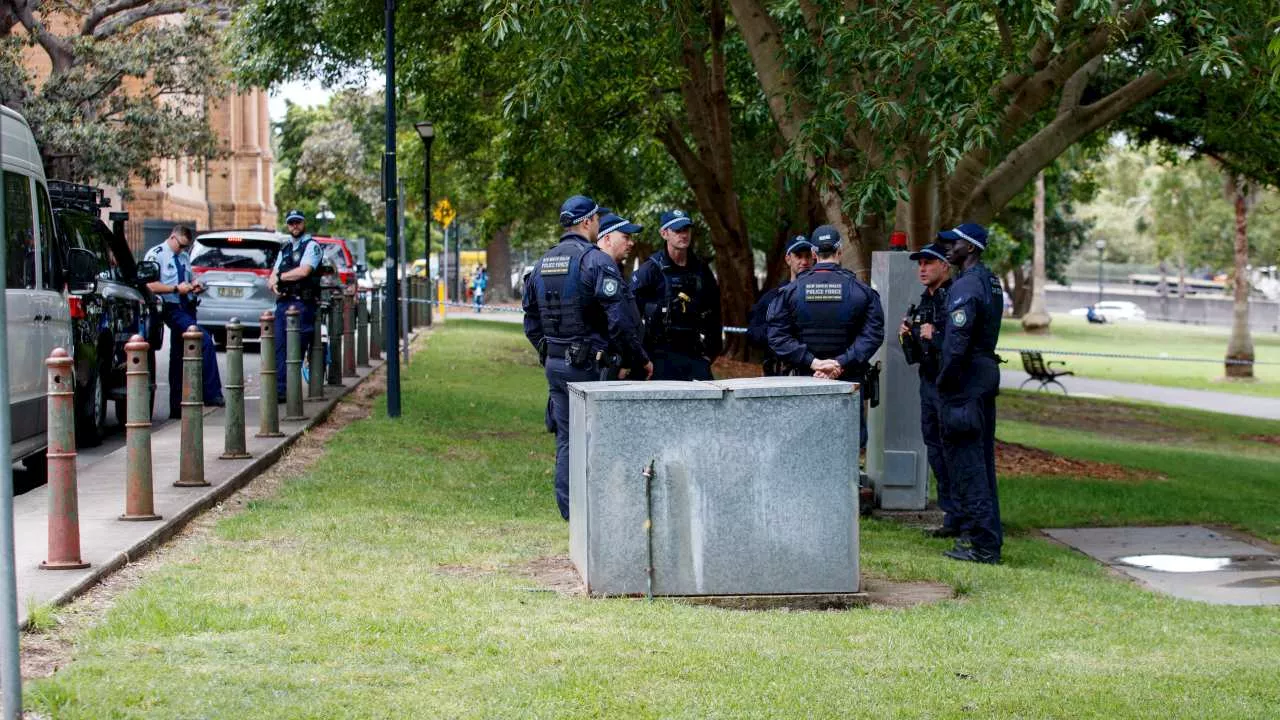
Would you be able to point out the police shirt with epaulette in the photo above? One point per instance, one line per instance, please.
(975, 304)
(174, 268)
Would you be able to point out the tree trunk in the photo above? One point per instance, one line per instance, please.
(498, 257)
(1240, 347)
(1037, 320)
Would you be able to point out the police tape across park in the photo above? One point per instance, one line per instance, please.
(588, 324)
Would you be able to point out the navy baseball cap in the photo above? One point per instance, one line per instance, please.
(972, 233)
(825, 238)
(675, 220)
(294, 216)
(579, 208)
(933, 251)
(612, 223)
(799, 243)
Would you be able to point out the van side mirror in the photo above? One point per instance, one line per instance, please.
(82, 270)
(148, 272)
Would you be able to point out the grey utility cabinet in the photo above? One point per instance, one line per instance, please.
(754, 490)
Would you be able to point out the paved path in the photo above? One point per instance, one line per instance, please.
(1230, 403)
(108, 543)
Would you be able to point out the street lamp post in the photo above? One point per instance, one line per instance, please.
(427, 132)
(390, 191)
(324, 215)
(1101, 245)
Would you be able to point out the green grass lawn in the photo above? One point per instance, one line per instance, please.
(383, 583)
(1150, 338)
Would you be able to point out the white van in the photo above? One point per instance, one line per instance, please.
(37, 316)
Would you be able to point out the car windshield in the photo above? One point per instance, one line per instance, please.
(235, 253)
(334, 255)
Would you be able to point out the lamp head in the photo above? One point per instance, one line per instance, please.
(426, 131)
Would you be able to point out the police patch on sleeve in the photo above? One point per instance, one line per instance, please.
(609, 287)
(958, 318)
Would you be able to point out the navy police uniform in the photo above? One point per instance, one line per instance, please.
(303, 294)
(931, 309)
(968, 382)
(681, 309)
(179, 313)
(827, 313)
(574, 311)
(757, 320)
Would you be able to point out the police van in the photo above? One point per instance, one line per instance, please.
(37, 315)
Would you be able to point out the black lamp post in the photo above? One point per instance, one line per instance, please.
(427, 132)
(1101, 245)
(390, 192)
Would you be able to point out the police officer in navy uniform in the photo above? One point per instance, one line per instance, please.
(921, 337)
(177, 289)
(296, 282)
(574, 310)
(827, 323)
(968, 382)
(680, 301)
(799, 257)
(626, 350)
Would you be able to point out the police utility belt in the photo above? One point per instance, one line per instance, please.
(582, 355)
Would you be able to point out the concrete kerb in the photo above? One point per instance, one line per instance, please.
(175, 522)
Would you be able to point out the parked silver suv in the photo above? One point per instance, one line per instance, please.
(234, 265)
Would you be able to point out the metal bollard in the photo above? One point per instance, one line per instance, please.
(315, 383)
(234, 447)
(349, 337)
(64, 511)
(362, 331)
(268, 402)
(293, 365)
(191, 466)
(139, 498)
(375, 324)
(335, 340)
(415, 311)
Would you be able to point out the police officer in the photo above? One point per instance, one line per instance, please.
(616, 240)
(573, 310)
(296, 282)
(680, 302)
(799, 257)
(177, 289)
(921, 337)
(827, 323)
(968, 382)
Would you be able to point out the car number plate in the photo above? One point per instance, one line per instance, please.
(230, 292)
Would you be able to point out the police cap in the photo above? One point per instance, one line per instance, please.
(294, 215)
(933, 251)
(675, 220)
(798, 243)
(826, 238)
(613, 223)
(579, 208)
(972, 233)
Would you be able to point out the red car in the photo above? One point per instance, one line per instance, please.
(338, 254)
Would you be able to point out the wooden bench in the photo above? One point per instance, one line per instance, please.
(1041, 371)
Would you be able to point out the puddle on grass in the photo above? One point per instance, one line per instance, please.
(1194, 564)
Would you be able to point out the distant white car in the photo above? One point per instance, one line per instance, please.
(1114, 311)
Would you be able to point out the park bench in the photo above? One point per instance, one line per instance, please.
(1040, 371)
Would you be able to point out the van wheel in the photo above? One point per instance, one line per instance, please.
(91, 413)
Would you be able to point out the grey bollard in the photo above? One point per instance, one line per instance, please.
(349, 336)
(64, 503)
(334, 376)
(268, 404)
(293, 366)
(139, 494)
(315, 381)
(234, 447)
(897, 461)
(375, 323)
(191, 465)
(362, 331)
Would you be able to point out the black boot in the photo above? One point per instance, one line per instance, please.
(972, 554)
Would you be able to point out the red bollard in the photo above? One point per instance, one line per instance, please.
(139, 498)
(64, 511)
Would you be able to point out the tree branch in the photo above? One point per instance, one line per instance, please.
(158, 8)
(764, 43)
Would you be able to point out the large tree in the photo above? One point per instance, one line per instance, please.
(127, 82)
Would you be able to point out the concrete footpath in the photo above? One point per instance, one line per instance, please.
(1229, 403)
(109, 543)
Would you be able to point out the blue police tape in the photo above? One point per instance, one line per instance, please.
(730, 329)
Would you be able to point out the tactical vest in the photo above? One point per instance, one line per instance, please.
(682, 316)
(308, 288)
(562, 306)
(826, 301)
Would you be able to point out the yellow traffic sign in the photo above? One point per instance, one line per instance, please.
(444, 213)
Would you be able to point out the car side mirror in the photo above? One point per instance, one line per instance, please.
(325, 269)
(148, 271)
(82, 267)
(360, 270)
